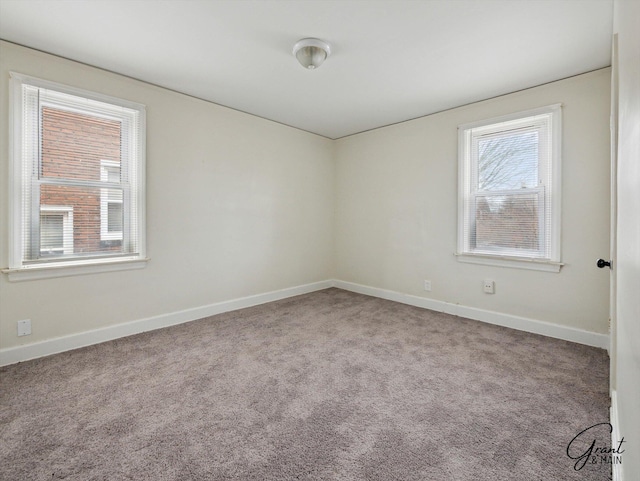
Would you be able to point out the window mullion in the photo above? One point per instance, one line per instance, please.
(523, 191)
(79, 183)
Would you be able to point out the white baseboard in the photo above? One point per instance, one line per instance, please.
(35, 350)
(514, 322)
(616, 469)
(16, 354)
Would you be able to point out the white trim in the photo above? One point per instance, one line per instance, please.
(556, 184)
(506, 320)
(613, 229)
(16, 354)
(26, 352)
(15, 171)
(616, 469)
(61, 269)
(509, 117)
(97, 104)
(78, 92)
(530, 264)
(551, 127)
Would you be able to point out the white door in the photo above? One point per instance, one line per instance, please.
(614, 212)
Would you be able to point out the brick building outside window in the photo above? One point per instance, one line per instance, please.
(77, 180)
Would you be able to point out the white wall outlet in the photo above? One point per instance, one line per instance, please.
(427, 286)
(489, 286)
(24, 327)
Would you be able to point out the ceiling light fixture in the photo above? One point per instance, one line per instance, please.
(311, 52)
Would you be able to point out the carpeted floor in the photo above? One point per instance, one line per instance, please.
(326, 386)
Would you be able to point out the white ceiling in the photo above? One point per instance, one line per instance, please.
(391, 60)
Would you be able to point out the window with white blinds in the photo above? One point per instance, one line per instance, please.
(509, 189)
(78, 176)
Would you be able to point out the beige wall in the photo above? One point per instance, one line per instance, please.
(396, 210)
(236, 206)
(627, 348)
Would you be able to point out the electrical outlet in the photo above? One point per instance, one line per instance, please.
(24, 327)
(489, 286)
(427, 286)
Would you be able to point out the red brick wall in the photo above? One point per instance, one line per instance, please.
(72, 147)
(514, 224)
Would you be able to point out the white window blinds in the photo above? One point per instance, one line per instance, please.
(81, 175)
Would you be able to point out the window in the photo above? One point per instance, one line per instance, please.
(509, 190)
(110, 202)
(77, 180)
(56, 230)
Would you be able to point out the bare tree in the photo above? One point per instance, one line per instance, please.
(508, 162)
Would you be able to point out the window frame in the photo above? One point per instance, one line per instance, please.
(548, 120)
(21, 162)
(66, 211)
(105, 234)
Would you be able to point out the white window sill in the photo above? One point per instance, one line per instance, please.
(515, 263)
(66, 269)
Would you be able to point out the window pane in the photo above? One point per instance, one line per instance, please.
(73, 145)
(51, 232)
(115, 217)
(113, 174)
(112, 195)
(508, 161)
(87, 221)
(507, 222)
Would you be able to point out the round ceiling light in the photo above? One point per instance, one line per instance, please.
(311, 52)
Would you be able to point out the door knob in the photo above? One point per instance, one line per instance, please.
(602, 263)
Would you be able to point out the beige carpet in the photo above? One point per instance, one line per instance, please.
(327, 386)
